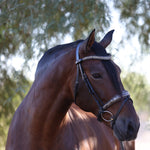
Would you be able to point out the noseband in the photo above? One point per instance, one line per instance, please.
(102, 107)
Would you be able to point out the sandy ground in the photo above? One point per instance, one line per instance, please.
(143, 138)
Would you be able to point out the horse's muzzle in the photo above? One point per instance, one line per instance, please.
(126, 129)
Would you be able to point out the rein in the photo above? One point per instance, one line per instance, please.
(102, 107)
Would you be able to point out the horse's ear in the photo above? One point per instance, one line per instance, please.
(87, 44)
(107, 39)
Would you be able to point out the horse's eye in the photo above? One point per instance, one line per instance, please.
(96, 75)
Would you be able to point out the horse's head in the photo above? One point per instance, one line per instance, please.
(99, 89)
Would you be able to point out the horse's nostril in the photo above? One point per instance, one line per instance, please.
(126, 129)
(130, 129)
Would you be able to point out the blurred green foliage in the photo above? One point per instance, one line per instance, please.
(135, 15)
(39, 24)
(12, 91)
(26, 24)
(139, 90)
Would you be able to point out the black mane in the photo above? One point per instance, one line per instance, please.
(55, 51)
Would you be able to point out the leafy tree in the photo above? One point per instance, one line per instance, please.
(29, 24)
(135, 15)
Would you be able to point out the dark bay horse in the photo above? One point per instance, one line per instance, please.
(81, 72)
(81, 130)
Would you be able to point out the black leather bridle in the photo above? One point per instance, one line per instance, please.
(102, 107)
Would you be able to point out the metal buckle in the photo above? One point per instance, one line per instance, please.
(108, 113)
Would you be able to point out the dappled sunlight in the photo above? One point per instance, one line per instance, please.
(85, 143)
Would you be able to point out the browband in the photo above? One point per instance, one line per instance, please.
(78, 60)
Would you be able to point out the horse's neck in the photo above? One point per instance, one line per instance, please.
(50, 98)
